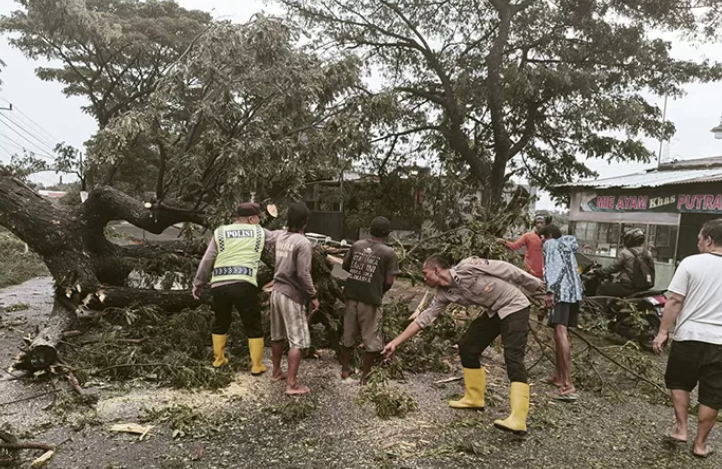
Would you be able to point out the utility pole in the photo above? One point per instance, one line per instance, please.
(661, 142)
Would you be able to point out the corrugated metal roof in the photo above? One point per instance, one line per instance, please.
(652, 178)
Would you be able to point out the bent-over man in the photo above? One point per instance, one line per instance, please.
(492, 285)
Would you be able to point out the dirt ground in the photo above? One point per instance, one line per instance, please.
(251, 424)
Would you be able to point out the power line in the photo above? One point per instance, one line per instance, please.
(26, 131)
(38, 127)
(30, 119)
(7, 120)
(9, 142)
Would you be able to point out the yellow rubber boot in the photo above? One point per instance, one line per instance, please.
(219, 350)
(255, 347)
(519, 400)
(475, 383)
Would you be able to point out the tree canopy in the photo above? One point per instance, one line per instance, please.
(192, 110)
(523, 88)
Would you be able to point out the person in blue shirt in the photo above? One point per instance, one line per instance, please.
(563, 295)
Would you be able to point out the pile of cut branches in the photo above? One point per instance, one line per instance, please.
(148, 344)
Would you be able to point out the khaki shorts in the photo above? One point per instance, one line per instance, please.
(364, 319)
(289, 321)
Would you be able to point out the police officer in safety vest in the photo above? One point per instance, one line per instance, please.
(231, 260)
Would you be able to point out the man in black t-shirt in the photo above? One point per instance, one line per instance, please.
(373, 267)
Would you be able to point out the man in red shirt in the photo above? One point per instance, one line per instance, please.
(533, 258)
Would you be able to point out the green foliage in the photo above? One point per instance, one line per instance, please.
(243, 111)
(183, 420)
(499, 89)
(144, 344)
(111, 52)
(388, 402)
(428, 351)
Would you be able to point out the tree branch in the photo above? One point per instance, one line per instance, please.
(107, 204)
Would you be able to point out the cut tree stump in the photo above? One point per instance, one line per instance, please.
(42, 352)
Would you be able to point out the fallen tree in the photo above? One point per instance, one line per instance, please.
(185, 134)
(91, 272)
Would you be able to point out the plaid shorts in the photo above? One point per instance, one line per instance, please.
(289, 321)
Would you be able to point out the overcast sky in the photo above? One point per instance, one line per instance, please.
(50, 117)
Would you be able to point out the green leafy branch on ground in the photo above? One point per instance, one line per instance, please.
(387, 401)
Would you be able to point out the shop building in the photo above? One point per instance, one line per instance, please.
(670, 203)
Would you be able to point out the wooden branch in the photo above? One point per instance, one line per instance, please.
(106, 204)
(405, 132)
(28, 445)
(430, 238)
(420, 308)
(29, 398)
(428, 95)
(615, 362)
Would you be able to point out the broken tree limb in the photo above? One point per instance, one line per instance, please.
(105, 204)
(28, 445)
(29, 398)
(42, 351)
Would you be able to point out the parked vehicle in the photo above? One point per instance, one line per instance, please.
(636, 317)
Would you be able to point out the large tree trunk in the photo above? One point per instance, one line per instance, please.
(91, 272)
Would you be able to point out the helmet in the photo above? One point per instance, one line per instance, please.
(633, 237)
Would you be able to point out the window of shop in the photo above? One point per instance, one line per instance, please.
(597, 238)
(661, 240)
(603, 239)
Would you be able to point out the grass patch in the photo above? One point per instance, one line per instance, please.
(18, 267)
(16, 307)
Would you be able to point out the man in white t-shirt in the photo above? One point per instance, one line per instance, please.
(694, 310)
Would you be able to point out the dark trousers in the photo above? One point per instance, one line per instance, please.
(244, 297)
(617, 290)
(513, 329)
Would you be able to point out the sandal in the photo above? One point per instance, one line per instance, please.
(709, 452)
(668, 436)
(558, 395)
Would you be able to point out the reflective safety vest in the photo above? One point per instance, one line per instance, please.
(239, 247)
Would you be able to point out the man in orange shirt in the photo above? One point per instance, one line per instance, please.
(533, 258)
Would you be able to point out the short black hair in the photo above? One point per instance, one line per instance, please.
(713, 229)
(551, 231)
(380, 227)
(297, 216)
(438, 260)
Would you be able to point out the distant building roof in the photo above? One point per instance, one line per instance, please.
(51, 194)
(672, 173)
